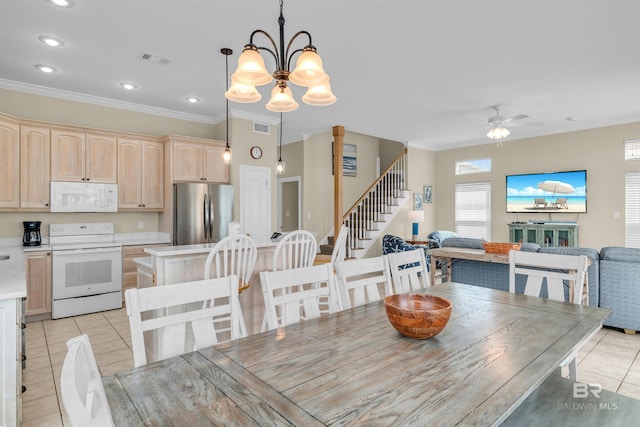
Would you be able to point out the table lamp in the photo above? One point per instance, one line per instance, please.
(416, 217)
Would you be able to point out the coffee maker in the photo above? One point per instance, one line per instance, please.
(31, 236)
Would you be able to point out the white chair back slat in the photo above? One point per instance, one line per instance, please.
(83, 395)
(409, 271)
(235, 254)
(184, 317)
(339, 252)
(294, 295)
(296, 249)
(358, 280)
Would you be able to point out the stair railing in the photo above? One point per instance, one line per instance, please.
(370, 208)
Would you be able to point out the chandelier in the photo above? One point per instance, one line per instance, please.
(251, 72)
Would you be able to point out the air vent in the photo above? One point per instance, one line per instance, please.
(154, 58)
(261, 128)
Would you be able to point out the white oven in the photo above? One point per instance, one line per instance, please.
(86, 269)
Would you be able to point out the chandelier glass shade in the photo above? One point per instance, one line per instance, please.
(240, 92)
(309, 72)
(498, 132)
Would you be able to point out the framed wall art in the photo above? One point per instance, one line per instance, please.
(349, 159)
(428, 191)
(417, 201)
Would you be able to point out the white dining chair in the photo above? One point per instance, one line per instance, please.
(358, 280)
(184, 317)
(296, 249)
(339, 252)
(409, 271)
(553, 269)
(235, 254)
(556, 271)
(293, 295)
(83, 395)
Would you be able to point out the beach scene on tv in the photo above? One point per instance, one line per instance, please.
(547, 192)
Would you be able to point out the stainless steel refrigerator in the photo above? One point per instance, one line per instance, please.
(202, 212)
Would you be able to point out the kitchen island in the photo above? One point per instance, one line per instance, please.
(177, 264)
(12, 290)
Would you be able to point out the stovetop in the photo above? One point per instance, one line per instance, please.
(82, 235)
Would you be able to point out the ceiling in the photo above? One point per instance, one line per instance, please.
(425, 73)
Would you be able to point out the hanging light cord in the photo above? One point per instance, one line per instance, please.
(226, 57)
(280, 156)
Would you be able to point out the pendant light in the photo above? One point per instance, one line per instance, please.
(280, 166)
(227, 151)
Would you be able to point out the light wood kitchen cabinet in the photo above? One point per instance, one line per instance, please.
(129, 268)
(140, 175)
(199, 161)
(38, 277)
(35, 157)
(76, 156)
(9, 163)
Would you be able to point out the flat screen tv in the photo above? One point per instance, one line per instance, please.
(554, 192)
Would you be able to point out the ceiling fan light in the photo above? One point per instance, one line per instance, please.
(498, 132)
(281, 100)
(240, 92)
(251, 69)
(308, 71)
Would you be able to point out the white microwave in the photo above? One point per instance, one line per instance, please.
(83, 197)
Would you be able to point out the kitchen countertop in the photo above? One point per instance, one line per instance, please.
(143, 238)
(12, 276)
(199, 249)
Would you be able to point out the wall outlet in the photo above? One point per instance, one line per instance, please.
(140, 224)
(616, 214)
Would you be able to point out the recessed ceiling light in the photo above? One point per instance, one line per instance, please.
(62, 3)
(193, 100)
(128, 86)
(45, 68)
(50, 41)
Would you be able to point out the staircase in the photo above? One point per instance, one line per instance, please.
(378, 205)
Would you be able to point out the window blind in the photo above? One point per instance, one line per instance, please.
(473, 210)
(632, 209)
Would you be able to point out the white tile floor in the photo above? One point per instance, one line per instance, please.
(611, 359)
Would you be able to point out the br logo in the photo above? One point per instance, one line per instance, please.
(582, 391)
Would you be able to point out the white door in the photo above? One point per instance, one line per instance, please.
(255, 201)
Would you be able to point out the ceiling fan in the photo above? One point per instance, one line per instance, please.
(499, 123)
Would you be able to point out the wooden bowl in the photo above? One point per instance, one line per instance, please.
(418, 316)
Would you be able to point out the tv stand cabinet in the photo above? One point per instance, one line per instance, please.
(545, 234)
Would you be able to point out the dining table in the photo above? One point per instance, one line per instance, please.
(353, 368)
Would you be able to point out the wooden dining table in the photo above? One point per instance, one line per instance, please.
(354, 368)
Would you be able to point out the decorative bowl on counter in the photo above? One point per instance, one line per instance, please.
(417, 315)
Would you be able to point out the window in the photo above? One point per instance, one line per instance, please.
(473, 210)
(464, 167)
(632, 149)
(632, 209)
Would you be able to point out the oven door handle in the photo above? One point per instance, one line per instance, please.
(86, 251)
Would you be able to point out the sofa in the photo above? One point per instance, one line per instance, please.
(620, 286)
(613, 274)
(496, 275)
